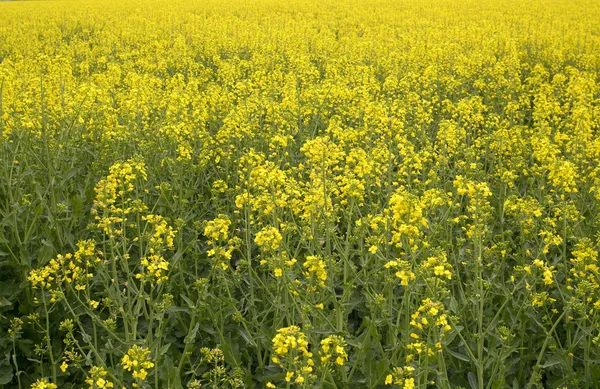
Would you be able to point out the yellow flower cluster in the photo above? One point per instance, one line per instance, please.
(546, 271)
(316, 270)
(184, 153)
(119, 182)
(407, 219)
(333, 348)
(403, 271)
(43, 383)
(539, 273)
(218, 228)
(96, 378)
(222, 246)
(402, 376)
(430, 315)
(439, 266)
(291, 353)
(138, 361)
(268, 239)
(71, 270)
(16, 326)
(323, 156)
(278, 263)
(113, 204)
(478, 205)
(563, 176)
(539, 299)
(213, 356)
(156, 268)
(266, 187)
(290, 338)
(322, 153)
(585, 261)
(583, 281)
(219, 186)
(526, 210)
(161, 235)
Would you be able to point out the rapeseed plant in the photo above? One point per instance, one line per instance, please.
(196, 195)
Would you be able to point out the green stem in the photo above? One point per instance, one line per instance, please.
(541, 353)
(14, 359)
(48, 340)
(249, 254)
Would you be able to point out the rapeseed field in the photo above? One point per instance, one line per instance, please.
(300, 194)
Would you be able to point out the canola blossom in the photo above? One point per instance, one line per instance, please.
(306, 194)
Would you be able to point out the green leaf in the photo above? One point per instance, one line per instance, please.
(453, 306)
(247, 337)
(472, 380)
(46, 252)
(77, 205)
(554, 360)
(163, 350)
(191, 336)
(189, 302)
(176, 384)
(6, 374)
(169, 374)
(4, 302)
(515, 384)
(458, 355)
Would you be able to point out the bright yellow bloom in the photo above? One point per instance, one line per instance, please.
(43, 383)
(268, 239)
(138, 361)
(388, 379)
(96, 378)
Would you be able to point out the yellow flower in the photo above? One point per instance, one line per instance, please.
(316, 269)
(401, 376)
(138, 360)
(333, 348)
(218, 229)
(96, 378)
(388, 379)
(290, 338)
(268, 239)
(289, 375)
(64, 366)
(404, 272)
(43, 383)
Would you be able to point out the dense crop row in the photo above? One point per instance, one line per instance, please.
(300, 194)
